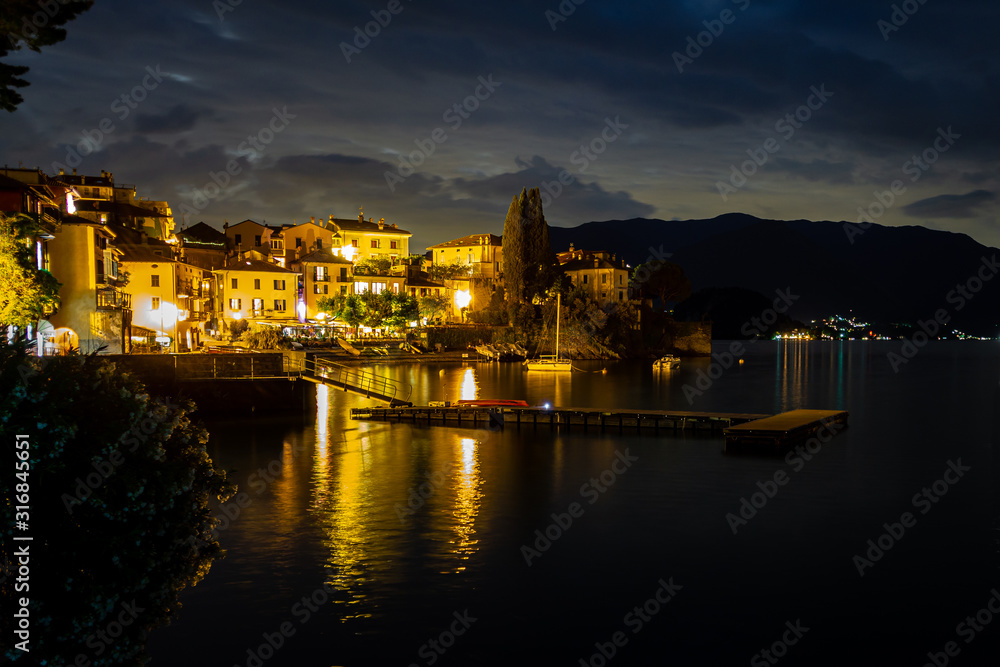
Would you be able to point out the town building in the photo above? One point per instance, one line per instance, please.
(324, 274)
(257, 291)
(361, 239)
(481, 253)
(597, 272)
(171, 300)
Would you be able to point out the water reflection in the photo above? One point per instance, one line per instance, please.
(342, 497)
(468, 501)
(468, 388)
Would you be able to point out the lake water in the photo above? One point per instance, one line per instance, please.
(327, 559)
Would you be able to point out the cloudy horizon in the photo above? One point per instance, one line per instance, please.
(434, 116)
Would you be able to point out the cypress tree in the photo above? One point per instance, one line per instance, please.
(514, 253)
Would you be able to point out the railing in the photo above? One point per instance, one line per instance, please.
(112, 299)
(358, 380)
(230, 367)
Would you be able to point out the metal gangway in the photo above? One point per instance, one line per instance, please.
(356, 380)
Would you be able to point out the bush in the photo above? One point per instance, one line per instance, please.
(119, 486)
(263, 337)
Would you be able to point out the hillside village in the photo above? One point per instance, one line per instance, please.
(131, 281)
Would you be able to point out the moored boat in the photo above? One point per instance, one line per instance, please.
(667, 362)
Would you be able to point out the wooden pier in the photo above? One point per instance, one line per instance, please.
(473, 416)
(784, 431)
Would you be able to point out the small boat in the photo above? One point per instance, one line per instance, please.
(494, 403)
(667, 362)
(551, 362)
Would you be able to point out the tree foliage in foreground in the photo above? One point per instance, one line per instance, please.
(119, 486)
(26, 293)
(31, 24)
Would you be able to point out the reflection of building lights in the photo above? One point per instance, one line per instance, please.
(468, 389)
(462, 298)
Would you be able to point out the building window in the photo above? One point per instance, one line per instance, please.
(620, 278)
(354, 243)
(258, 306)
(585, 279)
(343, 274)
(392, 245)
(256, 283)
(279, 305)
(321, 289)
(234, 282)
(343, 289)
(276, 244)
(235, 304)
(298, 241)
(321, 274)
(374, 243)
(620, 296)
(279, 285)
(239, 239)
(154, 281)
(604, 279)
(395, 288)
(319, 244)
(156, 303)
(256, 240)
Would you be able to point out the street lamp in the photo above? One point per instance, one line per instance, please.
(168, 311)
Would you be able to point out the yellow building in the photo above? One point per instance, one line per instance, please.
(258, 291)
(360, 239)
(297, 241)
(170, 299)
(93, 306)
(324, 274)
(248, 235)
(598, 272)
(482, 253)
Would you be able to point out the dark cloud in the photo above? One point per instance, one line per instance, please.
(223, 74)
(968, 205)
(178, 119)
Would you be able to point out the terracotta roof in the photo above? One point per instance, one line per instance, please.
(583, 264)
(146, 253)
(470, 240)
(367, 227)
(323, 256)
(254, 265)
(423, 282)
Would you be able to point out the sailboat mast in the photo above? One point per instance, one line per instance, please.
(558, 308)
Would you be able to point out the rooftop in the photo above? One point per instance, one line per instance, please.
(471, 240)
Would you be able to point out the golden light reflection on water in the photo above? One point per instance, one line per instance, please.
(469, 388)
(342, 496)
(468, 501)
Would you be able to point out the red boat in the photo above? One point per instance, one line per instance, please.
(495, 403)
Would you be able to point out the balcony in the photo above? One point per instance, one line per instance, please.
(111, 299)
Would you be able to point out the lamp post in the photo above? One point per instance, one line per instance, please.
(169, 310)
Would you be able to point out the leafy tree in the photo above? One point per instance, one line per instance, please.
(351, 310)
(237, 329)
(264, 337)
(374, 266)
(664, 280)
(26, 293)
(119, 485)
(530, 266)
(330, 304)
(32, 24)
(433, 306)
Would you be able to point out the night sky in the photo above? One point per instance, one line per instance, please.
(600, 75)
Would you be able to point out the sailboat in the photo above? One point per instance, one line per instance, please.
(551, 362)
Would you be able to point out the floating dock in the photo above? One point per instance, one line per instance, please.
(784, 431)
(458, 415)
